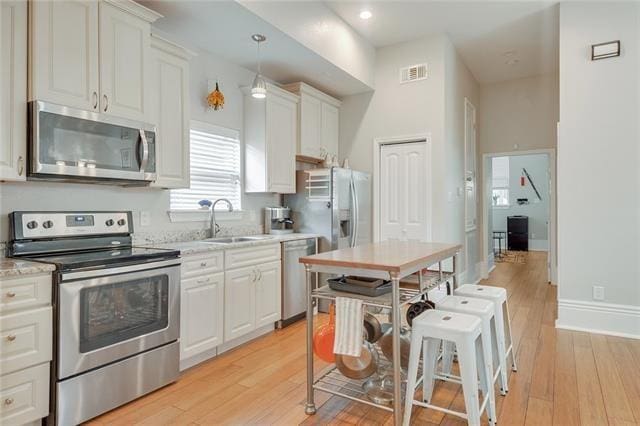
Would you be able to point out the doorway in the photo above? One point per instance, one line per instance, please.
(519, 207)
(402, 189)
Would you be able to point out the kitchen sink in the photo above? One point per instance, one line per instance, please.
(231, 240)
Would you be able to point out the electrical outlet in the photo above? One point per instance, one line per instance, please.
(145, 218)
(598, 293)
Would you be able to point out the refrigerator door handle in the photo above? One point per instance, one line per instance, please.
(354, 213)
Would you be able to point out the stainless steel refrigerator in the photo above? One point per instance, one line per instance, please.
(334, 203)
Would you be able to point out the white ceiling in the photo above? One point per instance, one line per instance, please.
(224, 28)
(486, 34)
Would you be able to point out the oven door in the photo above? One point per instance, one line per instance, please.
(78, 144)
(108, 318)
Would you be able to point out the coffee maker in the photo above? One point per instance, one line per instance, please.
(277, 220)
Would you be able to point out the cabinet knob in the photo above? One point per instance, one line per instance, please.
(11, 294)
(8, 401)
(203, 264)
(20, 165)
(11, 337)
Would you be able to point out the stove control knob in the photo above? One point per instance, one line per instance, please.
(48, 224)
(109, 222)
(122, 222)
(32, 225)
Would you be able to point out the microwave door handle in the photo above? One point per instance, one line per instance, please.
(145, 150)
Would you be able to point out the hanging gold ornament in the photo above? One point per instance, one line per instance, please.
(216, 99)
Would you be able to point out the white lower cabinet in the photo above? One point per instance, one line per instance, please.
(268, 297)
(24, 395)
(201, 304)
(240, 301)
(252, 293)
(26, 346)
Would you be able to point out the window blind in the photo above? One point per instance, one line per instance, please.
(500, 172)
(215, 168)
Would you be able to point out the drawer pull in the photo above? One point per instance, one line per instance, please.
(11, 337)
(11, 294)
(204, 281)
(8, 401)
(203, 264)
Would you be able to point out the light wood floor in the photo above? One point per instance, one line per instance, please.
(563, 378)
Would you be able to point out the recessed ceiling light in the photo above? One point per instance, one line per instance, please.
(365, 14)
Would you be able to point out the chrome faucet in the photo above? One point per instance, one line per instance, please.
(213, 226)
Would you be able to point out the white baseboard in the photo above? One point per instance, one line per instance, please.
(600, 318)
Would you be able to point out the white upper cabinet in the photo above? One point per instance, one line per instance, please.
(64, 53)
(91, 55)
(124, 58)
(13, 90)
(319, 121)
(270, 141)
(170, 110)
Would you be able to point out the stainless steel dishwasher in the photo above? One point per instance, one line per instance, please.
(294, 290)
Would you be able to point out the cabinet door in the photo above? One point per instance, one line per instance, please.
(330, 128)
(310, 125)
(239, 302)
(268, 293)
(281, 123)
(64, 52)
(124, 54)
(170, 96)
(13, 90)
(201, 314)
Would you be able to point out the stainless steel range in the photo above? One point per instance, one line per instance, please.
(116, 309)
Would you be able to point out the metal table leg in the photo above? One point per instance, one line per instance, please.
(310, 407)
(397, 374)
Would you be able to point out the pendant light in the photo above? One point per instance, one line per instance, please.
(259, 87)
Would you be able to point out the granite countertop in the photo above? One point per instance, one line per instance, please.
(202, 246)
(15, 267)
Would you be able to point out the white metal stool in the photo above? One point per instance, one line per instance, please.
(427, 331)
(485, 309)
(498, 296)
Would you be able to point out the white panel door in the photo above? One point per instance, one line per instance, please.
(281, 145)
(268, 294)
(124, 58)
(64, 53)
(403, 192)
(13, 90)
(310, 126)
(330, 128)
(201, 314)
(239, 302)
(170, 96)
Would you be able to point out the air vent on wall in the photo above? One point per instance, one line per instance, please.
(413, 73)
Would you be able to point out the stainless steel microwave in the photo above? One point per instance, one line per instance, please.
(68, 144)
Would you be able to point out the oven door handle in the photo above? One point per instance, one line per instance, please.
(145, 150)
(121, 270)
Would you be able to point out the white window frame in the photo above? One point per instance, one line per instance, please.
(200, 214)
(501, 187)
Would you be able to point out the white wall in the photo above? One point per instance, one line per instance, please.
(598, 173)
(434, 106)
(537, 166)
(459, 84)
(525, 112)
(61, 196)
(317, 27)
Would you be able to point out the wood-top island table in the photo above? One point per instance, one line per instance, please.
(389, 260)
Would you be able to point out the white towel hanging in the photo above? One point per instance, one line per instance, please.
(349, 320)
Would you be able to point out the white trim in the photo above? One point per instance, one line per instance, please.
(377, 146)
(203, 215)
(226, 132)
(600, 318)
(553, 233)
